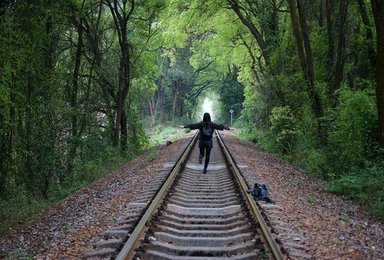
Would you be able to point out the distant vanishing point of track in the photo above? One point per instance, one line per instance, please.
(193, 215)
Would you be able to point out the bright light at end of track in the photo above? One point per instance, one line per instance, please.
(207, 107)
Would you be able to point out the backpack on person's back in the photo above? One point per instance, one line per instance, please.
(207, 132)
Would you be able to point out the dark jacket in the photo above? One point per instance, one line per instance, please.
(200, 126)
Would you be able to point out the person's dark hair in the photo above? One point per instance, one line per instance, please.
(207, 117)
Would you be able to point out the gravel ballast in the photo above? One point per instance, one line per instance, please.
(330, 226)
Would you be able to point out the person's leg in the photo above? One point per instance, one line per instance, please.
(201, 154)
(207, 154)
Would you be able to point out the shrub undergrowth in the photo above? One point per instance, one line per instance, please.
(350, 160)
(22, 206)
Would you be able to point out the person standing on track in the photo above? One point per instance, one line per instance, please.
(206, 129)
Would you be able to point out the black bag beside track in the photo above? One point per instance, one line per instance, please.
(260, 192)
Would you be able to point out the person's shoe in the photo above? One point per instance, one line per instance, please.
(205, 171)
(200, 159)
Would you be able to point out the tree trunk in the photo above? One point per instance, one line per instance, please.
(181, 107)
(123, 85)
(76, 72)
(151, 108)
(252, 28)
(307, 43)
(124, 130)
(259, 85)
(29, 145)
(365, 19)
(127, 85)
(329, 8)
(73, 95)
(340, 58)
(119, 110)
(378, 11)
(369, 34)
(161, 104)
(93, 31)
(321, 13)
(121, 15)
(174, 103)
(301, 34)
(297, 33)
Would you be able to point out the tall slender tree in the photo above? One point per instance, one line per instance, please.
(378, 11)
(122, 12)
(304, 49)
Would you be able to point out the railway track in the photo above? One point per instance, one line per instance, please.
(194, 216)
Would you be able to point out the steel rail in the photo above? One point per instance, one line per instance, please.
(269, 240)
(133, 242)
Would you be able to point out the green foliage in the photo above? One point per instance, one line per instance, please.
(58, 128)
(350, 185)
(363, 185)
(283, 129)
(161, 132)
(152, 156)
(256, 110)
(312, 199)
(17, 255)
(105, 161)
(137, 138)
(278, 107)
(313, 160)
(345, 218)
(10, 210)
(352, 139)
(231, 97)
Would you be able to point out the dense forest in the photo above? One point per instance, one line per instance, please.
(82, 80)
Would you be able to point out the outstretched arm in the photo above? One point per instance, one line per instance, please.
(219, 126)
(193, 126)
